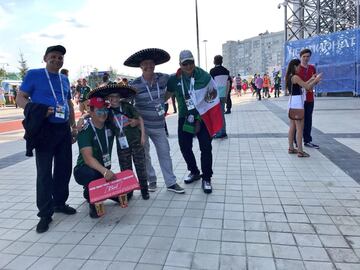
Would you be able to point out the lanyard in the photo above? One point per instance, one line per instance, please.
(119, 124)
(148, 89)
(191, 87)
(52, 88)
(97, 137)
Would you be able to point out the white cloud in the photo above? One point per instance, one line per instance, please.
(105, 33)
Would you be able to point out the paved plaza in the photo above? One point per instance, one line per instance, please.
(269, 210)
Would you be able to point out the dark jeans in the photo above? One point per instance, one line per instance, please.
(258, 91)
(135, 153)
(84, 175)
(228, 102)
(186, 144)
(277, 91)
(308, 108)
(52, 186)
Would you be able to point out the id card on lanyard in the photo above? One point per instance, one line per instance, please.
(123, 142)
(159, 106)
(189, 98)
(105, 156)
(60, 108)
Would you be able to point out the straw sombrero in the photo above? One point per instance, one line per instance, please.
(125, 91)
(158, 55)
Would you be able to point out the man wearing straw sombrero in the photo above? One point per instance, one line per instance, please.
(149, 102)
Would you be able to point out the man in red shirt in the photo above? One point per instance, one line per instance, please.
(306, 71)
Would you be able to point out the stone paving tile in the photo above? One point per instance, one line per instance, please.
(269, 210)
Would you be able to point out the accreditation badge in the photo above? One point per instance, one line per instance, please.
(123, 142)
(160, 109)
(189, 104)
(107, 160)
(60, 111)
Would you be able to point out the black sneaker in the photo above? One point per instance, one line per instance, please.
(206, 186)
(43, 224)
(92, 211)
(176, 188)
(227, 112)
(312, 145)
(65, 209)
(152, 186)
(145, 194)
(191, 178)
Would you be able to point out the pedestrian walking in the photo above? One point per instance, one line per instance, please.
(221, 74)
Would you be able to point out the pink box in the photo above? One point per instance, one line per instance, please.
(125, 182)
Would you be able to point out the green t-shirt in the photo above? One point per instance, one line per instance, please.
(87, 138)
(122, 114)
(84, 91)
(174, 86)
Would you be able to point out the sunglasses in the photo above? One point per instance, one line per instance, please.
(187, 63)
(101, 112)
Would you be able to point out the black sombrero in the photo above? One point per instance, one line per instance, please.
(125, 91)
(158, 55)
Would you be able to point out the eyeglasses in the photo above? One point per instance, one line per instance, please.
(187, 63)
(101, 112)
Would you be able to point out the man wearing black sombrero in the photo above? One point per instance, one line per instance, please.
(149, 102)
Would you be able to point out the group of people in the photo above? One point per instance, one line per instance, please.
(11, 95)
(133, 115)
(262, 85)
(130, 114)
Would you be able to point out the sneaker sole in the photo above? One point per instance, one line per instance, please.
(152, 189)
(176, 191)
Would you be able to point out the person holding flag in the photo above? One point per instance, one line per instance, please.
(199, 113)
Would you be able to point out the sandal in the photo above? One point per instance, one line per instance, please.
(302, 154)
(292, 151)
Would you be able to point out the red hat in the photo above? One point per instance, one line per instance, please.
(97, 102)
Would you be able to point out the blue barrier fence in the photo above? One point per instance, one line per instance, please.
(336, 55)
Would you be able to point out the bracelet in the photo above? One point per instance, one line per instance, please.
(105, 173)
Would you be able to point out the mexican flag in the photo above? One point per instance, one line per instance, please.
(207, 105)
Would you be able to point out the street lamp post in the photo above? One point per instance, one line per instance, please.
(205, 41)
(197, 33)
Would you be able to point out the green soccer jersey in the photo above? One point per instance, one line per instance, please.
(84, 91)
(174, 86)
(87, 138)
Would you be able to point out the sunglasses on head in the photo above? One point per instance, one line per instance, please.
(101, 112)
(187, 63)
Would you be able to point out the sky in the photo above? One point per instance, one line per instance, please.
(100, 34)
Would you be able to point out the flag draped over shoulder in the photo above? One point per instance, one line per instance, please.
(209, 108)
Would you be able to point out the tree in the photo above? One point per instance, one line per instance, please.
(23, 66)
(2, 74)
